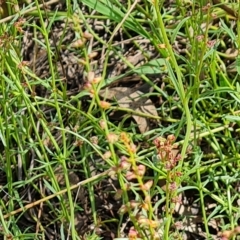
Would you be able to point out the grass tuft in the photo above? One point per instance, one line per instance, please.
(79, 159)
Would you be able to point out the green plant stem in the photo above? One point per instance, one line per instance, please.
(200, 187)
(238, 29)
(168, 212)
(61, 156)
(199, 64)
(184, 99)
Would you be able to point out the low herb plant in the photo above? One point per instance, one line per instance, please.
(49, 135)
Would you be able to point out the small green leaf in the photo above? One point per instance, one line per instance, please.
(176, 30)
(232, 118)
(238, 64)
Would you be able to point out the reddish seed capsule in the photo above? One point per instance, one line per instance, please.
(90, 76)
(147, 186)
(112, 137)
(107, 155)
(78, 43)
(96, 80)
(87, 35)
(102, 124)
(92, 55)
(141, 170)
(105, 105)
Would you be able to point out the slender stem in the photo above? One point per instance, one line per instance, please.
(184, 98)
(200, 189)
(61, 156)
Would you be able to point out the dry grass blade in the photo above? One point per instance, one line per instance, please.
(30, 205)
(124, 19)
(6, 19)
